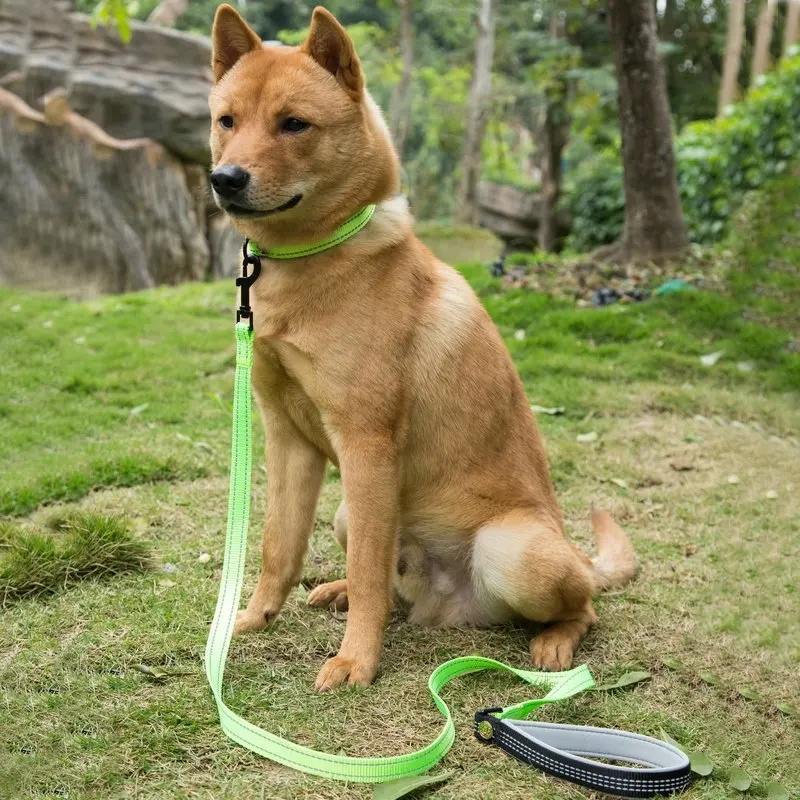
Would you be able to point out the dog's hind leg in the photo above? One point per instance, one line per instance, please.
(334, 593)
(526, 563)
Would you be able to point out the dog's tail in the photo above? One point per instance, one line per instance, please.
(615, 563)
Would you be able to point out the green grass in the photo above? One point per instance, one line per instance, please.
(121, 408)
(77, 547)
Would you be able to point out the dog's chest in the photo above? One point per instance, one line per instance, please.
(298, 367)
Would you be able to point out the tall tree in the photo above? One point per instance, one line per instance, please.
(654, 224)
(477, 114)
(733, 54)
(553, 136)
(766, 17)
(792, 25)
(400, 114)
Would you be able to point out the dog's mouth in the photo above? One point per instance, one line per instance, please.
(241, 211)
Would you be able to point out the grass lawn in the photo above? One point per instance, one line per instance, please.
(120, 407)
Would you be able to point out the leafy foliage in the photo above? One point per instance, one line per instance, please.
(718, 163)
(113, 13)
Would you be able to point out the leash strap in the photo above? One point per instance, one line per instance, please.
(508, 735)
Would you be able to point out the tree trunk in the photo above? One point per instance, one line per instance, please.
(654, 225)
(766, 16)
(668, 21)
(553, 134)
(792, 26)
(167, 12)
(477, 114)
(401, 97)
(733, 54)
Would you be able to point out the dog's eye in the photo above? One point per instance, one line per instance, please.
(293, 125)
(226, 122)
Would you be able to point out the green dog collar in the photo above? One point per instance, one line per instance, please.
(341, 234)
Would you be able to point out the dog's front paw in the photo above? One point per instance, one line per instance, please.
(247, 620)
(328, 595)
(336, 670)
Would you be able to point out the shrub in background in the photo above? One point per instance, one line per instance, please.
(718, 162)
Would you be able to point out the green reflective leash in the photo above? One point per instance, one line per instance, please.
(490, 724)
(371, 770)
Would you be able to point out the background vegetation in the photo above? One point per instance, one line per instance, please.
(534, 70)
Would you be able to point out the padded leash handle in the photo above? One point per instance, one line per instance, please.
(566, 751)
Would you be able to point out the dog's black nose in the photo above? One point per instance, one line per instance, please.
(229, 179)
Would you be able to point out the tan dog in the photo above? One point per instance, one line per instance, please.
(379, 358)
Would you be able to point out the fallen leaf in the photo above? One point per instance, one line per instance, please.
(786, 708)
(628, 679)
(136, 410)
(733, 479)
(772, 495)
(553, 412)
(672, 663)
(749, 694)
(700, 763)
(669, 740)
(712, 358)
(16, 308)
(739, 779)
(166, 583)
(153, 672)
(776, 792)
(400, 788)
(710, 678)
(183, 437)
(592, 436)
(619, 482)
(158, 674)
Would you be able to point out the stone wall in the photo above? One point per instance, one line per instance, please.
(103, 155)
(84, 213)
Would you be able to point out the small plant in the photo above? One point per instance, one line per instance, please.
(77, 547)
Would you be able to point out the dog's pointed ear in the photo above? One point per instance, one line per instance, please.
(231, 38)
(329, 44)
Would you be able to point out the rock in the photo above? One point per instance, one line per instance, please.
(155, 86)
(513, 215)
(85, 213)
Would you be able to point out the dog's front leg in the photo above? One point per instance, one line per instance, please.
(295, 469)
(369, 475)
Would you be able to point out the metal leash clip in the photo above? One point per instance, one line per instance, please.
(245, 282)
(567, 752)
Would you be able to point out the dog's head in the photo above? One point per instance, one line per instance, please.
(297, 144)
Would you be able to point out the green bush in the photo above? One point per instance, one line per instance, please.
(718, 162)
(596, 201)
